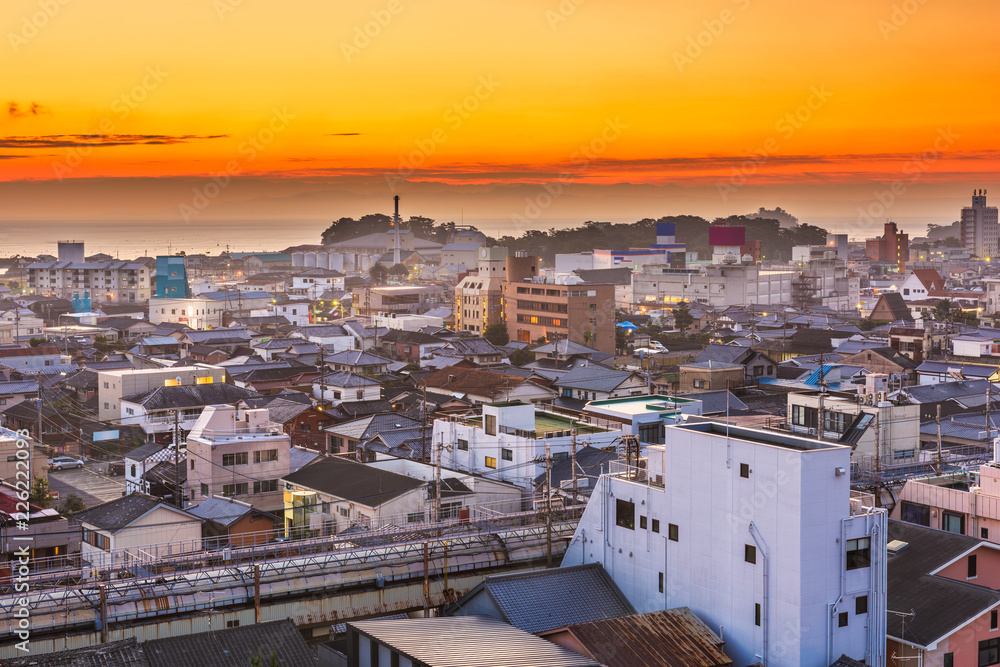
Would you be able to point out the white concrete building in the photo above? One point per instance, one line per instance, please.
(979, 226)
(756, 533)
(313, 282)
(717, 286)
(116, 282)
(296, 312)
(507, 441)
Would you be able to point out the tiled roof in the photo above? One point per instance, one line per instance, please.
(143, 452)
(350, 480)
(548, 599)
(472, 346)
(123, 653)
(356, 358)
(225, 511)
(233, 647)
(345, 379)
(594, 378)
(368, 427)
(562, 347)
(19, 387)
(120, 512)
(189, 396)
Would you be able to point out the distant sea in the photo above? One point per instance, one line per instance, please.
(137, 238)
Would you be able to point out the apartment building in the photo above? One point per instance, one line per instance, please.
(116, 282)
(479, 298)
(507, 441)
(238, 453)
(980, 228)
(756, 533)
(539, 308)
(113, 384)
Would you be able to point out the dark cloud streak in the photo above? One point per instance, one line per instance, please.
(105, 140)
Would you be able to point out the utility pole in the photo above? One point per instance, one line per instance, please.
(437, 481)
(878, 456)
(177, 446)
(938, 420)
(573, 464)
(548, 504)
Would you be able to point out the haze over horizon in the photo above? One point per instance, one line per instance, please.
(513, 116)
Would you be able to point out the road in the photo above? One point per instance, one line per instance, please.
(88, 483)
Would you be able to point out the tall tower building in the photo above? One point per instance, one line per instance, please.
(479, 297)
(980, 231)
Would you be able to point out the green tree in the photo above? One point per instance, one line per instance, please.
(521, 357)
(35, 342)
(378, 273)
(496, 333)
(621, 341)
(399, 270)
(945, 309)
(682, 316)
(72, 504)
(40, 492)
(257, 660)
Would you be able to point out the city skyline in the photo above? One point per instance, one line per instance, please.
(229, 110)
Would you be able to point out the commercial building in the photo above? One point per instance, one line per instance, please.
(756, 533)
(721, 286)
(116, 282)
(979, 227)
(479, 298)
(892, 246)
(551, 310)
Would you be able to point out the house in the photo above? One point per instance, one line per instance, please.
(47, 532)
(897, 365)
(481, 386)
(450, 642)
(932, 372)
(357, 361)
(644, 415)
(207, 354)
(128, 328)
(921, 284)
(228, 522)
(953, 396)
(598, 383)
(141, 460)
(410, 346)
(333, 494)
(545, 600)
(311, 283)
(589, 464)
(237, 453)
(477, 350)
(509, 441)
(891, 307)
(942, 597)
(912, 342)
(756, 363)
(12, 393)
(333, 337)
(128, 532)
(344, 387)
(708, 375)
(714, 523)
(669, 637)
(347, 437)
(303, 422)
(297, 312)
(30, 358)
(163, 410)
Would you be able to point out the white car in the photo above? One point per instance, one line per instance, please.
(649, 351)
(62, 462)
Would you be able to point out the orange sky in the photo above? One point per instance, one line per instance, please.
(712, 96)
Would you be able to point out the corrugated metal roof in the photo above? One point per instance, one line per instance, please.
(225, 511)
(670, 638)
(469, 641)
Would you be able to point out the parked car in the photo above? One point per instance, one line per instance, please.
(648, 351)
(658, 346)
(62, 462)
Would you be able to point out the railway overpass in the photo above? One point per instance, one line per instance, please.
(314, 582)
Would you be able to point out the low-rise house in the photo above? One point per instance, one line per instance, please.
(481, 386)
(436, 642)
(48, 533)
(710, 375)
(12, 393)
(30, 358)
(900, 368)
(912, 342)
(347, 437)
(228, 522)
(140, 461)
(237, 453)
(942, 597)
(476, 350)
(598, 383)
(508, 441)
(127, 535)
(344, 387)
(313, 282)
(357, 361)
(303, 422)
(333, 337)
(411, 346)
(164, 410)
(756, 363)
(953, 397)
(932, 372)
(297, 312)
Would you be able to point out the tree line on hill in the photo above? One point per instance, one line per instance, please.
(776, 242)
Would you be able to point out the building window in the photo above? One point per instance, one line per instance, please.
(344, 512)
(972, 567)
(651, 433)
(861, 604)
(756, 614)
(914, 513)
(204, 490)
(231, 490)
(993, 620)
(133, 470)
(507, 454)
(701, 384)
(462, 444)
(750, 554)
(642, 522)
(673, 532)
(491, 462)
(625, 514)
(984, 533)
(415, 517)
(265, 455)
(989, 652)
(949, 660)
(745, 470)
(265, 486)
(490, 424)
(953, 522)
(237, 459)
(192, 464)
(842, 619)
(858, 553)
(656, 525)
(661, 581)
